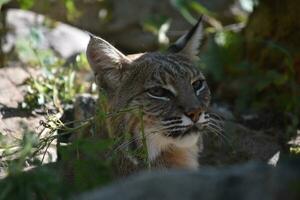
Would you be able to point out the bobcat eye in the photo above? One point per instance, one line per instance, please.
(159, 93)
(198, 86)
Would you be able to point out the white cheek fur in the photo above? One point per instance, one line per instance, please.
(202, 119)
(186, 121)
(157, 142)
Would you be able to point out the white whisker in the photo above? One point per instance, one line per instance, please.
(171, 121)
(219, 117)
(218, 132)
(215, 126)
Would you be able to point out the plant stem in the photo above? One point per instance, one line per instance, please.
(141, 115)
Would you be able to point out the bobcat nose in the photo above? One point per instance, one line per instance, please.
(194, 115)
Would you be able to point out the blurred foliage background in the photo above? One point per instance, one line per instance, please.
(250, 54)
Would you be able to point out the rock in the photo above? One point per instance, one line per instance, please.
(62, 38)
(9, 94)
(85, 106)
(15, 122)
(111, 20)
(68, 40)
(12, 77)
(238, 144)
(244, 182)
(121, 22)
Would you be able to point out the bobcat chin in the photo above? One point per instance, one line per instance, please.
(170, 89)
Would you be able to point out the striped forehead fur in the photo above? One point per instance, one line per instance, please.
(168, 66)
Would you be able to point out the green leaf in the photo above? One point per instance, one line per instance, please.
(185, 7)
(201, 9)
(26, 4)
(72, 12)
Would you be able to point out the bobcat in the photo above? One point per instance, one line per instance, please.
(170, 89)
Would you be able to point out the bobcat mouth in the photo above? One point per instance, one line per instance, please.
(182, 133)
(183, 126)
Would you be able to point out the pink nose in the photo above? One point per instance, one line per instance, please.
(194, 115)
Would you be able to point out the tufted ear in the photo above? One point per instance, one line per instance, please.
(189, 43)
(107, 62)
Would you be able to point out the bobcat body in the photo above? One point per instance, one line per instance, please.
(171, 91)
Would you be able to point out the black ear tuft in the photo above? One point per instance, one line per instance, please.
(190, 42)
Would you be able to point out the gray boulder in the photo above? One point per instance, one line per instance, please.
(243, 182)
(64, 39)
(121, 21)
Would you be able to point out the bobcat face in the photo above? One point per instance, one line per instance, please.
(173, 93)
